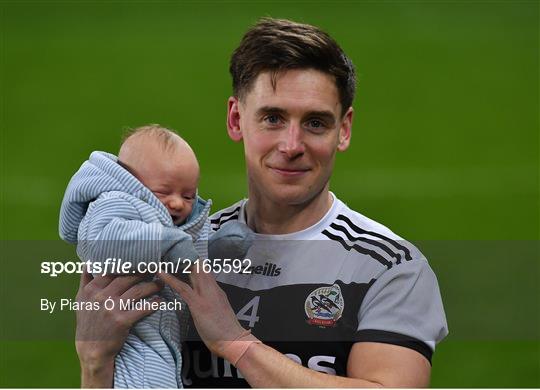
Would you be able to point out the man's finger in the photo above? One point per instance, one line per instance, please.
(133, 316)
(142, 290)
(85, 279)
(177, 285)
(121, 284)
(201, 281)
(102, 281)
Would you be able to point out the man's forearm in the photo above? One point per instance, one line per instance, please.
(97, 375)
(263, 366)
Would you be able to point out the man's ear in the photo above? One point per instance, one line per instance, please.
(345, 131)
(233, 119)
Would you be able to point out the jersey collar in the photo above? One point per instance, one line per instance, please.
(306, 234)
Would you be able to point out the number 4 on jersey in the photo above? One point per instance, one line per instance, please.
(249, 312)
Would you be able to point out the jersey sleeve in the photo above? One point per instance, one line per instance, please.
(403, 306)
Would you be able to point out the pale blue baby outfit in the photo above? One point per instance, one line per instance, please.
(110, 213)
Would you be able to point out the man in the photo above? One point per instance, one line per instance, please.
(341, 294)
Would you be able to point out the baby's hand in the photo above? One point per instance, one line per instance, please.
(181, 250)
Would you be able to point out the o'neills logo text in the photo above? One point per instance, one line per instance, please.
(268, 269)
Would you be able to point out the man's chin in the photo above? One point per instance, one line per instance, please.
(290, 195)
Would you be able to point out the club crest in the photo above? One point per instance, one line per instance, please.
(324, 306)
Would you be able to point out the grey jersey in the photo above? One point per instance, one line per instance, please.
(313, 294)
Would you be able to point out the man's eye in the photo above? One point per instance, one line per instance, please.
(272, 119)
(316, 126)
(315, 123)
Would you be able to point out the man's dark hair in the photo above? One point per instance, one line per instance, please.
(277, 45)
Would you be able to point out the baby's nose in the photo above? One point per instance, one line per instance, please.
(176, 203)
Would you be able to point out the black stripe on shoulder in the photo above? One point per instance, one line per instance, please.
(359, 249)
(232, 217)
(376, 243)
(359, 230)
(217, 220)
(383, 336)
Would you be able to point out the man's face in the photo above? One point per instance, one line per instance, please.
(290, 134)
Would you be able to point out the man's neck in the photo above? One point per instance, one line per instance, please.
(266, 217)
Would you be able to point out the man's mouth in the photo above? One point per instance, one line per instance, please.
(290, 172)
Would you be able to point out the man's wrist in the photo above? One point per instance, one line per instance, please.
(236, 349)
(248, 356)
(97, 372)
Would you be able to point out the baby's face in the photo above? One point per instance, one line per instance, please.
(172, 175)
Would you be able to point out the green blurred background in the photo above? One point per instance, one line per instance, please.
(445, 147)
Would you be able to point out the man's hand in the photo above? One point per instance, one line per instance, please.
(211, 311)
(101, 333)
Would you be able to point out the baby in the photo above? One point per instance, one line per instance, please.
(166, 165)
(141, 207)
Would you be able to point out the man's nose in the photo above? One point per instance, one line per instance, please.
(292, 144)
